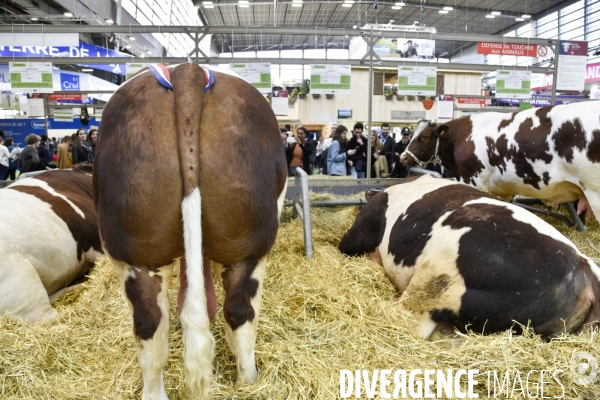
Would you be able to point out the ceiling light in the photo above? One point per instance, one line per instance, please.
(244, 5)
(131, 38)
(490, 16)
(443, 11)
(109, 21)
(297, 5)
(209, 6)
(243, 2)
(525, 16)
(415, 22)
(34, 18)
(519, 19)
(496, 13)
(127, 46)
(347, 5)
(400, 4)
(142, 55)
(68, 14)
(148, 52)
(87, 70)
(396, 8)
(392, 21)
(448, 8)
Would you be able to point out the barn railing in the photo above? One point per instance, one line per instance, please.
(301, 208)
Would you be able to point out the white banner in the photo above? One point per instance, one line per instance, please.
(330, 79)
(31, 77)
(445, 106)
(256, 74)
(36, 107)
(513, 84)
(595, 94)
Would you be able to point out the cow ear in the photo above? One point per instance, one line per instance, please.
(441, 130)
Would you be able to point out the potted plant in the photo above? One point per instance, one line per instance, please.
(316, 95)
(293, 96)
(421, 98)
(388, 93)
(410, 98)
(400, 97)
(304, 89)
(329, 96)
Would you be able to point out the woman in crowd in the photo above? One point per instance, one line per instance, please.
(82, 149)
(4, 155)
(379, 165)
(319, 151)
(92, 139)
(337, 153)
(298, 153)
(30, 159)
(63, 153)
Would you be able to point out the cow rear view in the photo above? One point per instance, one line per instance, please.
(186, 144)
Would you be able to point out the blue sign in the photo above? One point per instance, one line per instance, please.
(540, 100)
(69, 82)
(18, 129)
(83, 50)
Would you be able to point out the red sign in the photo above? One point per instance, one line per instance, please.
(511, 49)
(61, 97)
(446, 97)
(477, 102)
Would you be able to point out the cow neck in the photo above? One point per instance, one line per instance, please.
(448, 143)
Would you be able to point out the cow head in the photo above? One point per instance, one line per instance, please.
(423, 147)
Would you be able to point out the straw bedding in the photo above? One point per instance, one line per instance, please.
(318, 317)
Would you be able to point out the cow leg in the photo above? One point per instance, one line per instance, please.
(243, 295)
(146, 292)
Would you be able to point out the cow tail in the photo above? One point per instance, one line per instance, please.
(188, 84)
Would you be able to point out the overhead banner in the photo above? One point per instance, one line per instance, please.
(256, 74)
(63, 115)
(419, 81)
(30, 77)
(132, 69)
(9, 101)
(83, 50)
(36, 39)
(330, 79)
(513, 84)
(18, 129)
(512, 49)
(393, 49)
(571, 65)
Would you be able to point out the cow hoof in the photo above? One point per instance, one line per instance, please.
(247, 375)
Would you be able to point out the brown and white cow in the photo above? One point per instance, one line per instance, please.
(465, 258)
(48, 238)
(550, 153)
(158, 151)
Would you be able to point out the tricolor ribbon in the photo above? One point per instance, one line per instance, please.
(161, 73)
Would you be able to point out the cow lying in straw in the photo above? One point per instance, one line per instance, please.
(464, 258)
(48, 237)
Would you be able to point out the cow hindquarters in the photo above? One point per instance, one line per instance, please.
(242, 283)
(147, 294)
(23, 294)
(198, 342)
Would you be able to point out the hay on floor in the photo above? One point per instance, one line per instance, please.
(318, 317)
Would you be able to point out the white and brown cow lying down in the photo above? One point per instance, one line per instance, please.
(168, 136)
(465, 258)
(550, 153)
(48, 238)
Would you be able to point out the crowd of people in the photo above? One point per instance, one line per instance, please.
(41, 154)
(344, 154)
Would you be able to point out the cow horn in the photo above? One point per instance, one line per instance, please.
(433, 122)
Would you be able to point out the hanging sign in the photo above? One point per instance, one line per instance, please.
(420, 81)
(445, 106)
(513, 84)
(133, 68)
(279, 102)
(256, 74)
(595, 94)
(63, 115)
(36, 107)
(571, 65)
(512, 49)
(31, 77)
(473, 102)
(330, 79)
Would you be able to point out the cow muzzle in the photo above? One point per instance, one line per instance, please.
(404, 159)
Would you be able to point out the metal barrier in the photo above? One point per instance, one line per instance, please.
(420, 171)
(301, 208)
(527, 203)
